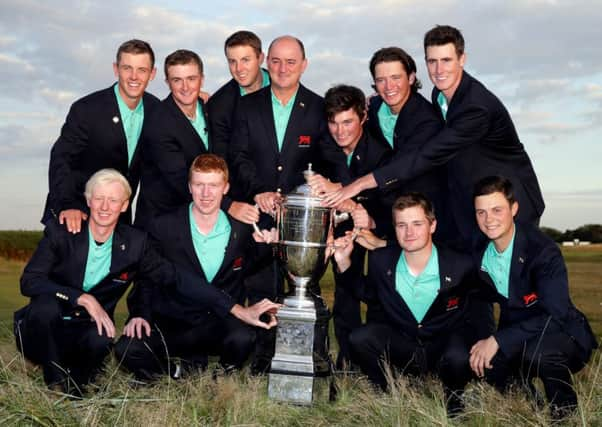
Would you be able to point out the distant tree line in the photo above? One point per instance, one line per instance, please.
(585, 233)
(20, 244)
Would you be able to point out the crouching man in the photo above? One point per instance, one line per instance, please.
(540, 332)
(424, 291)
(75, 281)
(219, 250)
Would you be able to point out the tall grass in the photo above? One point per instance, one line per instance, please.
(241, 399)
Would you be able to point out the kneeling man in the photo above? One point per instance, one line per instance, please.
(218, 250)
(540, 332)
(423, 290)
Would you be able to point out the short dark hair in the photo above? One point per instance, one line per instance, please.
(494, 184)
(395, 54)
(209, 163)
(442, 35)
(343, 97)
(299, 42)
(136, 47)
(410, 200)
(243, 38)
(182, 57)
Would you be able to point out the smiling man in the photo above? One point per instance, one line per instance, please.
(477, 140)
(177, 132)
(244, 55)
(423, 289)
(540, 332)
(102, 130)
(219, 251)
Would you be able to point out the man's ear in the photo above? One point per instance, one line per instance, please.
(514, 209)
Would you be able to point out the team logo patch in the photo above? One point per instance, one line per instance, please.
(452, 303)
(530, 299)
(237, 264)
(122, 278)
(304, 140)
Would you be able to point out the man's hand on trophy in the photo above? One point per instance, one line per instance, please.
(267, 201)
(342, 248)
(361, 218)
(369, 241)
(332, 199)
(266, 236)
(244, 212)
(320, 185)
(251, 314)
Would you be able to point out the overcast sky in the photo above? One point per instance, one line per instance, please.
(542, 58)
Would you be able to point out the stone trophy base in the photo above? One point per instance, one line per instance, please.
(301, 367)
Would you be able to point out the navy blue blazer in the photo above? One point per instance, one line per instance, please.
(169, 145)
(172, 236)
(478, 140)
(368, 155)
(222, 107)
(416, 123)
(258, 166)
(92, 138)
(450, 312)
(538, 294)
(58, 265)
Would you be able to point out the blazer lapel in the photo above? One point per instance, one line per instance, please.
(519, 257)
(80, 254)
(115, 124)
(187, 244)
(267, 117)
(296, 118)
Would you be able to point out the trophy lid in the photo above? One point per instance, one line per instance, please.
(302, 195)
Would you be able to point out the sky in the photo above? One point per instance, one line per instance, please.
(542, 58)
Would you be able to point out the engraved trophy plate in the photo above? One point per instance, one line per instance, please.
(301, 365)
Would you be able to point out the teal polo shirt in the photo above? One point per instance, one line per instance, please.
(420, 291)
(497, 265)
(98, 262)
(265, 82)
(200, 126)
(387, 121)
(282, 113)
(210, 248)
(131, 121)
(442, 101)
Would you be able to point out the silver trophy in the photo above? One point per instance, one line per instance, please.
(301, 364)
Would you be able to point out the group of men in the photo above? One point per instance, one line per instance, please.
(453, 173)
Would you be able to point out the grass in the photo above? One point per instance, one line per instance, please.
(241, 399)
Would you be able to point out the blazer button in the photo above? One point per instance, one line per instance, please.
(279, 190)
(419, 325)
(279, 168)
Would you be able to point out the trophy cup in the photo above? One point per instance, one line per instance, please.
(301, 364)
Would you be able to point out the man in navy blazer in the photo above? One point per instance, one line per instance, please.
(279, 130)
(101, 131)
(75, 281)
(219, 251)
(540, 332)
(424, 291)
(176, 134)
(401, 120)
(244, 55)
(478, 139)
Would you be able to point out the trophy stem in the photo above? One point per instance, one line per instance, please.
(301, 297)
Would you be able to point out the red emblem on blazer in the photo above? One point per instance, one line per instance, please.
(237, 264)
(304, 140)
(530, 299)
(452, 303)
(124, 276)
